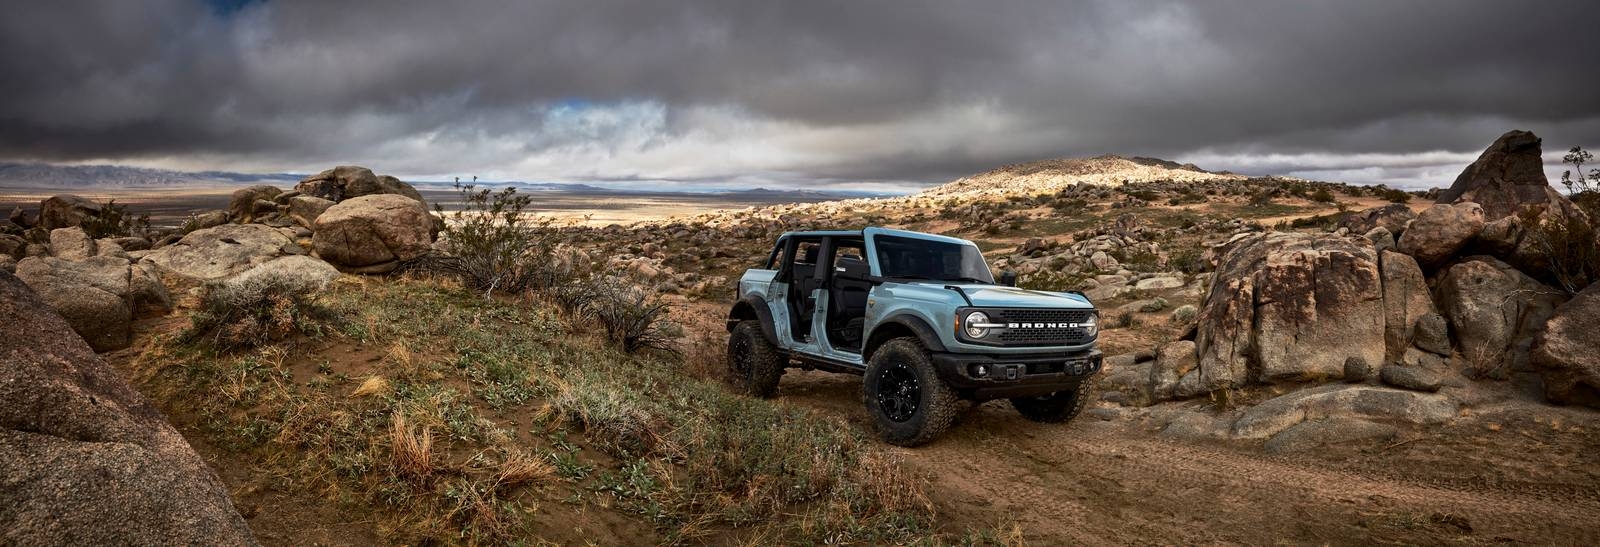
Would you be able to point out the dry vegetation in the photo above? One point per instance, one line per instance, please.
(443, 416)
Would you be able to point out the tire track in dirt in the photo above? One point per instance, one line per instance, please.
(1113, 482)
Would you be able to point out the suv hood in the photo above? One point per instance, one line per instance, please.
(1001, 296)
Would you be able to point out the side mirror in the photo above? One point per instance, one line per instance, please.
(850, 267)
(1008, 278)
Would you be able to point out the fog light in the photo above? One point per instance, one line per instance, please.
(980, 371)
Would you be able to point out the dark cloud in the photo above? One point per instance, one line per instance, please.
(787, 92)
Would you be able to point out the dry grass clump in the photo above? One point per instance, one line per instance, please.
(412, 453)
(261, 305)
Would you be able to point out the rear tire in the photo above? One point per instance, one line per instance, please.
(754, 365)
(1058, 407)
(908, 402)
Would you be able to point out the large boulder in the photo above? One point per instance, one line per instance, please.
(1567, 351)
(350, 181)
(221, 251)
(373, 234)
(1392, 217)
(304, 210)
(1290, 307)
(1406, 301)
(1508, 178)
(1494, 312)
(84, 458)
(1440, 231)
(98, 296)
(247, 203)
(66, 210)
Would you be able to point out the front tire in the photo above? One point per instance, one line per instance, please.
(754, 365)
(908, 402)
(1058, 407)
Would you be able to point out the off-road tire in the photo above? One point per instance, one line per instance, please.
(1058, 407)
(936, 405)
(754, 365)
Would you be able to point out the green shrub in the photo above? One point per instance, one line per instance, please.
(1322, 195)
(114, 221)
(493, 243)
(1569, 248)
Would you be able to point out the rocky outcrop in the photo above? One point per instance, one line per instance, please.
(84, 458)
(373, 234)
(221, 251)
(1494, 312)
(248, 203)
(66, 210)
(97, 296)
(349, 181)
(1392, 217)
(1440, 231)
(1508, 178)
(1567, 351)
(1290, 307)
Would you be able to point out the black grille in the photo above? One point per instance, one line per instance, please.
(1037, 336)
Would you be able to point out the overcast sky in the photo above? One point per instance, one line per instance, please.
(867, 94)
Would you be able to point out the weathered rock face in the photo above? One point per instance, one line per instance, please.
(72, 243)
(1290, 307)
(1405, 301)
(1567, 352)
(84, 458)
(1506, 178)
(66, 210)
(304, 210)
(373, 233)
(244, 206)
(1440, 231)
(1174, 363)
(1392, 217)
(349, 181)
(98, 296)
(221, 251)
(1494, 312)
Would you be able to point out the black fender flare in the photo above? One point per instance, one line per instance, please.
(925, 332)
(754, 307)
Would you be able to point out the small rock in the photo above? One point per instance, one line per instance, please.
(1432, 333)
(1357, 369)
(1414, 378)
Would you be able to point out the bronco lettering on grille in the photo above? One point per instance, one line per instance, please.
(1041, 325)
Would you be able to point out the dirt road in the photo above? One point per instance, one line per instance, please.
(1116, 482)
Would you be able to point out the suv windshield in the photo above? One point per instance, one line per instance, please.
(911, 258)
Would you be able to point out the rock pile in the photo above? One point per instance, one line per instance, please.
(1446, 304)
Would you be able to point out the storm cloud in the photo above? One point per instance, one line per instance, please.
(791, 93)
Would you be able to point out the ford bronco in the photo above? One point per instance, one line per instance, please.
(921, 317)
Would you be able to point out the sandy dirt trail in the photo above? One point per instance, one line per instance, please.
(1113, 482)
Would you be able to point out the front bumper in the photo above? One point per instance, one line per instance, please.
(983, 377)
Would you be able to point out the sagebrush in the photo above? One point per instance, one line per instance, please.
(258, 307)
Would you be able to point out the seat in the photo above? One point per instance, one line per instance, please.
(848, 299)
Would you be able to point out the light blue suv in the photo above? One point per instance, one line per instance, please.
(921, 318)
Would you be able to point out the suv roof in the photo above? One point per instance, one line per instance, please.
(875, 230)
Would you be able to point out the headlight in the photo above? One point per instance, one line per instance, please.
(976, 324)
(1091, 326)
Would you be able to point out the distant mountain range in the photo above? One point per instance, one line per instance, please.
(88, 177)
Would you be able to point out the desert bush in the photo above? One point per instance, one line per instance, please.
(1185, 313)
(1054, 281)
(1154, 305)
(1393, 195)
(1322, 195)
(1261, 199)
(494, 243)
(635, 319)
(1569, 246)
(259, 306)
(114, 221)
(1188, 260)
